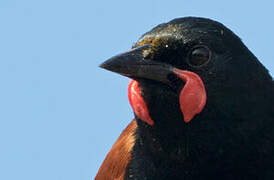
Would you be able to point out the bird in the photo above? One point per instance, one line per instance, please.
(203, 107)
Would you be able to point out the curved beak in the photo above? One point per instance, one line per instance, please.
(132, 64)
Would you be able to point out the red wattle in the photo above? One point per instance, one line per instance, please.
(137, 102)
(193, 96)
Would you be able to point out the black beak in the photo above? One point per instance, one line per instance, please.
(132, 64)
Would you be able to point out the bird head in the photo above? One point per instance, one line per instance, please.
(194, 73)
(199, 96)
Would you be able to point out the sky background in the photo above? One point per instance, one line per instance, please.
(59, 112)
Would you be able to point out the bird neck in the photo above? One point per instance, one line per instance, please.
(196, 154)
(214, 141)
(232, 134)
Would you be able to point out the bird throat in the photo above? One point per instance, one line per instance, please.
(192, 97)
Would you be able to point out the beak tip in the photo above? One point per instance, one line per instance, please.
(102, 65)
(108, 65)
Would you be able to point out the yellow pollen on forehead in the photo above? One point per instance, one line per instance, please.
(145, 41)
(155, 43)
(147, 51)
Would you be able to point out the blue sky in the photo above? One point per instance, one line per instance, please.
(59, 112)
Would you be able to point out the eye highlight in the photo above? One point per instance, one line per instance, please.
(199, 56)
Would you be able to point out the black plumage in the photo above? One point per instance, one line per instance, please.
(232, 137)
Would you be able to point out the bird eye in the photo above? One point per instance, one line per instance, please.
(199, 56)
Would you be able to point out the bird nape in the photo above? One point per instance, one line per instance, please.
(203, 106)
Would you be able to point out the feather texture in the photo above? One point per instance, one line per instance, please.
(114, 165)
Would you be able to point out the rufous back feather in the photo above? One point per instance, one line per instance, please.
(114, 165)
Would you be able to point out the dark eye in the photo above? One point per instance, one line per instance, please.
(199, 56)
